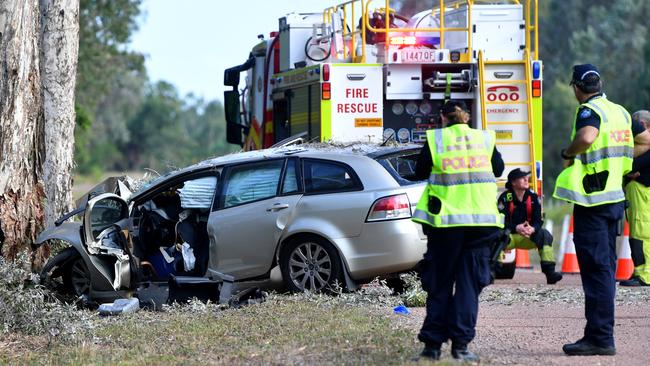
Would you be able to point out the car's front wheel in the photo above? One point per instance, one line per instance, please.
(310, 264)
(77, 278)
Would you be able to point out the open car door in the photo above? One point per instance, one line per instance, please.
(105, 230)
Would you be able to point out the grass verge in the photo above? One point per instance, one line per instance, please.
(345, 329)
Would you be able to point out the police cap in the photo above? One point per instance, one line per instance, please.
(585, 75)
(515, 174)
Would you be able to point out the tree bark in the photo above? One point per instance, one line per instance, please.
(38, 58)
(60, 49)
(21, 125)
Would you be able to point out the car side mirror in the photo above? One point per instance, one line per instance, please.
(102, 212)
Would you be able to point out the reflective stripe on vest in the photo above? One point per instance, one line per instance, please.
(601, 113)
(461, 178)
(611, 152)
(440, 147)
(592, 199)
(606, 152)
(460, 219)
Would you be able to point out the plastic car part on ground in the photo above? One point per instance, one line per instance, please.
(120, 306)
(401, 309)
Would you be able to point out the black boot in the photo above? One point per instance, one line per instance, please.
(431, 351)
(585, 348)
(460, 352)
(552, 277)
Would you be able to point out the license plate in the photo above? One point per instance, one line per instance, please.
(420, 55)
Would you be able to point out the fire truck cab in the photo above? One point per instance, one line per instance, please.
(359, 71)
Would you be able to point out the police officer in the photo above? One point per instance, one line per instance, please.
(459, 214)
(523, 216)
(637, 192)
(599, 155)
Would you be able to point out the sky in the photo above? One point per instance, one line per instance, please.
(191, 42)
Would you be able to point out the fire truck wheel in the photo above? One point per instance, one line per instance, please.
(310, 263)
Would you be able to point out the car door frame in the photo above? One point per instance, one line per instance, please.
(122, 270)
(219, 200)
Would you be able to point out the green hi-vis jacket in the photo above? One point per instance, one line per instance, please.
(461, 178)
(596, 176)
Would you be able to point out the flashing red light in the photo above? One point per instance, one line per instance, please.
(537, 88)
(326, 72)
(327, 91)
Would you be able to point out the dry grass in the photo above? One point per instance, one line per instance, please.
(348, 329)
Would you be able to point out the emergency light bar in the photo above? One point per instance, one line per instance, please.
(403, 41)
(431, 42)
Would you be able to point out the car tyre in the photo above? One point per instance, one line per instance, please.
(53, 272)
(396, 284)
(310, 264)
(77, 278)
(505, 271)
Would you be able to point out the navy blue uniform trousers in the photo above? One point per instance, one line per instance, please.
(595, 231)
(455, 268)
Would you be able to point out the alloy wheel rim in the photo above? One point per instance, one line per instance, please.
(310, 267)
(79, 278)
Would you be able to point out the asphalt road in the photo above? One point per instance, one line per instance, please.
(525, 322)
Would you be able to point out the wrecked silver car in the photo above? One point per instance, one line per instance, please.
(319, 215)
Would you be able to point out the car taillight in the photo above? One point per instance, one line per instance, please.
(390, 208)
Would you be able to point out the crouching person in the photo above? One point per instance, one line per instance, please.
(523, 215)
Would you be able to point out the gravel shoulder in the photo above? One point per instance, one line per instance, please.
(525, 322)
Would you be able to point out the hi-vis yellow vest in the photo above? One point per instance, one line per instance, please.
(461, 178)
(612, 151)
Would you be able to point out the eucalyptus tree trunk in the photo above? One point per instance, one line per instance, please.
(59, 51)
(21, 124)
(38, 48)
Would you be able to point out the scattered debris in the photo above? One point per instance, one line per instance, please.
(401, 309)
(120, 306)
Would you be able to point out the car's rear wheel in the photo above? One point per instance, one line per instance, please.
(310, 264)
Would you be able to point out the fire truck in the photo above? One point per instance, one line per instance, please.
(359, 71)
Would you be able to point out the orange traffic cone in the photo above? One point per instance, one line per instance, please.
(625, 265)
(522, 260)
(570, 260)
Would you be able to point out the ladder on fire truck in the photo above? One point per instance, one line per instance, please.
(515, 128)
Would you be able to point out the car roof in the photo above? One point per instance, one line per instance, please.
(311, 150)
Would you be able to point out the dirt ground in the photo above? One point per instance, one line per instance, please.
(525, 322)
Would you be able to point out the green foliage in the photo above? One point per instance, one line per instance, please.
(105, 28)
(123, 121)
(413, 295)
(27, 308)
(609, 34)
